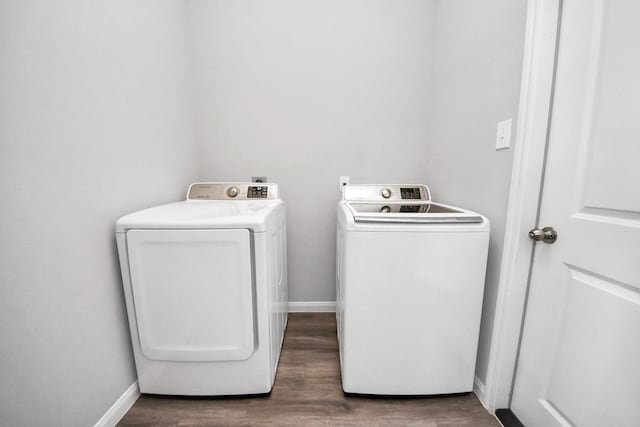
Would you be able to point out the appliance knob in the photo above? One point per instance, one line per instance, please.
(232, 191)
(385, 209)
(386, 193)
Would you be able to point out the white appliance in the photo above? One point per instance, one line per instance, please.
(410, 282)
(205, 283)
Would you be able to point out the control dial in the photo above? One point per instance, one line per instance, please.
(232, 191)
(386, 193)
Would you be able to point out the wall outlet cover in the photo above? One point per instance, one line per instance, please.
(344, 180)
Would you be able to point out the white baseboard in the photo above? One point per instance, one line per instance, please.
(122, 405)
(479, 390)
(312, 306)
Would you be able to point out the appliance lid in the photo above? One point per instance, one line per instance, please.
(211, 205)
(197, 214)
(411, 213)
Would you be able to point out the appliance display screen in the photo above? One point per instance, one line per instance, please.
(257, 192)
(410, 193)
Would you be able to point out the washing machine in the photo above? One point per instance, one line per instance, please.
(410, 283)
(205, 284)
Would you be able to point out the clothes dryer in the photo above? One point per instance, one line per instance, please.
(205, 284)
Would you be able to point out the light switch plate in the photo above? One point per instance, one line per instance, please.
(503, 135)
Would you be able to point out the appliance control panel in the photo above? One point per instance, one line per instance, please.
(232, 191)
(387, 193)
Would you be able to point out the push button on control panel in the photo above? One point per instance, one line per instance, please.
(257, 192)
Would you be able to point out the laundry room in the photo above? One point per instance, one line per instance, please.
(314, 212)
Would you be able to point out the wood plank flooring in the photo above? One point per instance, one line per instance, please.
(307, 392)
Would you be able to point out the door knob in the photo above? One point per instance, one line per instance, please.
(547, 235)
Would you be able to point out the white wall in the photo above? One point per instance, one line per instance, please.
(476, 83)
(95, 122)
(97, 107)
(303, 91)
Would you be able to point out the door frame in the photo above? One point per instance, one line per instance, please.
(534, 115)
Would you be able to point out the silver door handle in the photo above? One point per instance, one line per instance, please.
(547, 235)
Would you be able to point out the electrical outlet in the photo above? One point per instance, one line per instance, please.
(260, 179)
(344, 180)
(503, 135)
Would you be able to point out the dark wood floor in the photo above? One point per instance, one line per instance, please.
(307, 392)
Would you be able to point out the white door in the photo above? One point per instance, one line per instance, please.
(579, 361)
(192, 293)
